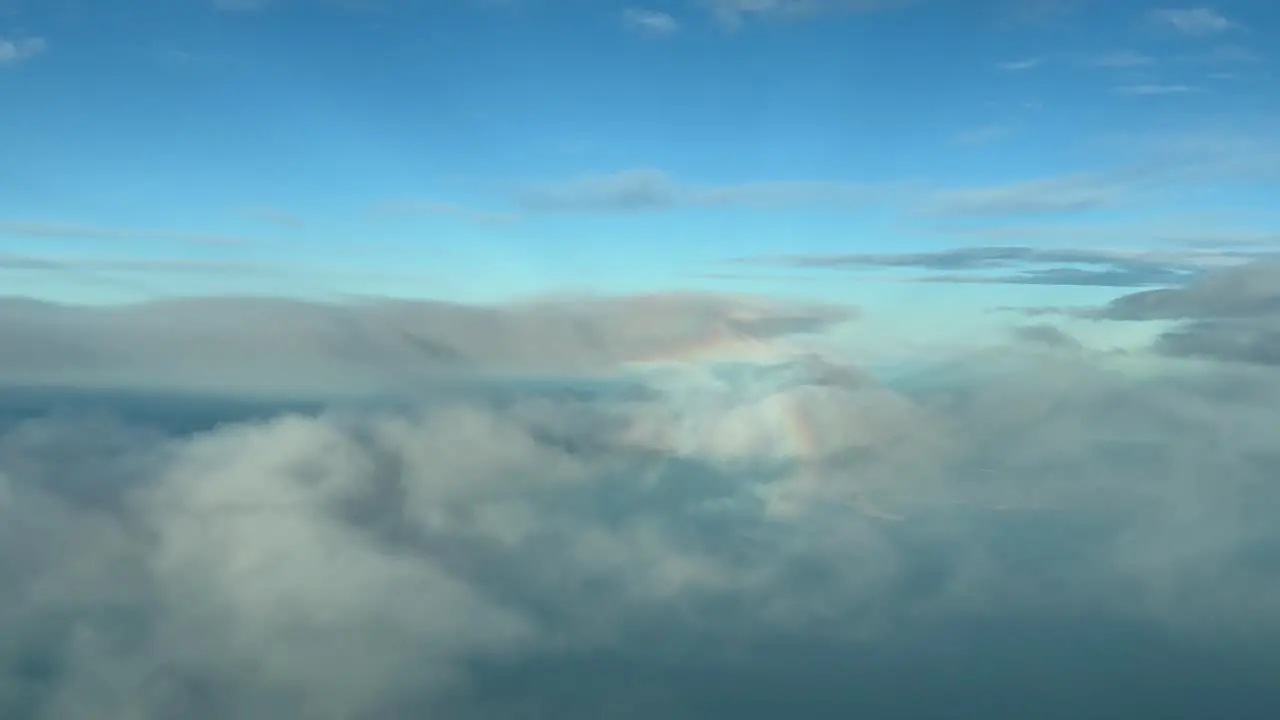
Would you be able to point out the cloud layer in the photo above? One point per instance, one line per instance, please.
(731, 538)
(1025, 265)
(1232, 314)
(276, 344)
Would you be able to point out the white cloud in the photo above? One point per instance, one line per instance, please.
(276, 216)
(732, 13)
(58, 230)
(1121, 59)
(250, 344)
(1228, 55)
(1192, 21)
(241, 5)
(1156, 89)
(17, 50)
(1020, 65)
(1054, 195)
(982, 135)
(470, 556)
(1038, 12)
(650, 189)
(1136, 164)
(650, 21)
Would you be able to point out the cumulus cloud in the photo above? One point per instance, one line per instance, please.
(730, 539)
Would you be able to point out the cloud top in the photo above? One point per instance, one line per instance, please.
(473, 556)
(264, 343)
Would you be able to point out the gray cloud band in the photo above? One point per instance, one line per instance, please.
(1026, 265)
(272, 344)
(1232, 314)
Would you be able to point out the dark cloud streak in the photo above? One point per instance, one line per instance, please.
(1106, 268)
(1073, 277)
(1231, 314)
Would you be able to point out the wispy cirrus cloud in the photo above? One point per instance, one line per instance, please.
(410, 208)
(276, 216)
(1222, 55)
(1021, 65)
(149, 277)
(14, 51)
(649, 189)
(1157, 89)
(1191, 21)
(241, 5)
(982, 135)
(1025, 265)
(1120, 59)
(1141, 166)
(1044, 196)
(1144, 165)
(1037, 12)
(1204, 155)
(1225, 55)
(733, 13)
(39, 229)
(138, 265)
(1183, 230)
(994, 257)
(1070, 277)
(651, 22)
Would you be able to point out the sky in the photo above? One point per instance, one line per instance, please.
(488, 149)
(496, 359)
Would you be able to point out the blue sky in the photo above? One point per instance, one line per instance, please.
(479, 149)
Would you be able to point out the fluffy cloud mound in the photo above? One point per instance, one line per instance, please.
(737, 538)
